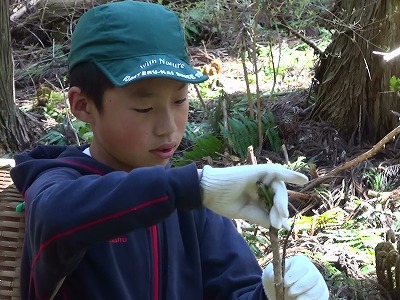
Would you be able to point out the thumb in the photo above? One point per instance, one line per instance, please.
(255, 214)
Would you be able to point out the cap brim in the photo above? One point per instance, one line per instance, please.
(125, 71)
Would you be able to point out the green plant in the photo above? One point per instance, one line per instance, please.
(271, 131)
(387, 261)
(205, 146)
(301, 14)
(54, 107)
(377, 181)
(209, 89)
(197, 16)
(242, 132)
(300, 165)
(53, 137)
(194, 130)
(83, 130)
(394, 85)
(257, 239)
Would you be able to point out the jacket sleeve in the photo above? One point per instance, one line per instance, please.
(67, 212)
(230, 269)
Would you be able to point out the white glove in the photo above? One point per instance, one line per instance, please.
(302, 280)
(232, 192)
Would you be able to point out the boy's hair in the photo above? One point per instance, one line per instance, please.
(92, 82)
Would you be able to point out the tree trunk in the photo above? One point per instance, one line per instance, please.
(13, 127)
(354, 90)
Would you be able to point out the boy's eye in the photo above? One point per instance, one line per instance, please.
(142, 111)
(180, 101)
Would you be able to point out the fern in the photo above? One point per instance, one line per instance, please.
(205, 146)
(272, 132)
(195, 129)
(242, 132)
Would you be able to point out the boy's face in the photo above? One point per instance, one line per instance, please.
(141, 124)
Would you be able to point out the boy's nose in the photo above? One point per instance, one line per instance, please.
(166, 124)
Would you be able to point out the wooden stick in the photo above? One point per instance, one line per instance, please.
(349, 164)
(275, 246)
(277, 263)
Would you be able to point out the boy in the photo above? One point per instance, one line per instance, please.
(111, 220)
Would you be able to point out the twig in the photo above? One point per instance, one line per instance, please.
(253, 39)
(275, 68)
(243, 49)
(303, 38)
(200, 98)
(353, 162)
(251, 159)
(277, 262)
(285, 154)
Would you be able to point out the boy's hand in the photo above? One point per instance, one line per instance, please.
(302, 280)
(233, 192)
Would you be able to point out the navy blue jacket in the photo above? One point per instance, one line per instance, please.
(142, 235)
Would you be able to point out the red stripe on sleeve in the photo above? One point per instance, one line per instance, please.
(84, 226)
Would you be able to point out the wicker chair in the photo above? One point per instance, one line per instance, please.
(11, 234)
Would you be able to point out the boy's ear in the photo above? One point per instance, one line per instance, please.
(81, 106)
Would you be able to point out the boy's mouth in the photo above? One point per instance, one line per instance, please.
(165, 151)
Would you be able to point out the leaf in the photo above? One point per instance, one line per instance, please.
(242, 132)
(208, 145)
(53, 137)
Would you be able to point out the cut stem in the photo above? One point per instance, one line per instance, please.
(277, 264)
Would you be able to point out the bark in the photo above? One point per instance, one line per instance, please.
(13, 128)
(354, 91)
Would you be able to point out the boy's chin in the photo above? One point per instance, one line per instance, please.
(158, 162)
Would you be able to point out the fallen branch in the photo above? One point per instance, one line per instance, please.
(349, 164)
(300, 196)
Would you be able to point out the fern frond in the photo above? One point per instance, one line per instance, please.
(271, 131)
(207, 145)
(242, 132)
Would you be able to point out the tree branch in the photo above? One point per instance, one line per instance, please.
(302, 37)
(349, 164)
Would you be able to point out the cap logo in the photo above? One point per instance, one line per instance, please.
(160, 62)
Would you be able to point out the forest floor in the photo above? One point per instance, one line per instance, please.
(338, 223)
(342, 220)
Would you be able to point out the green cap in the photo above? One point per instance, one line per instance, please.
(132, 40)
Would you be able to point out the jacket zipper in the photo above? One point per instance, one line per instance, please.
(156, 261)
